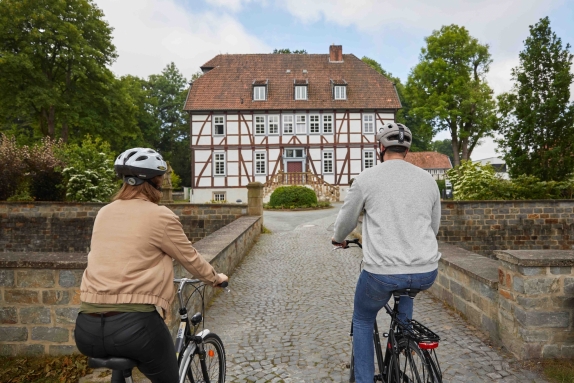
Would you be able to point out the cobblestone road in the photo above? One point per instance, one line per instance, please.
(288, 314)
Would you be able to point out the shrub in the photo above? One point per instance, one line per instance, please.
(12, 166)
(293, 196)
(480, 182)
(175, 180)
(45, 171)
(89, 174)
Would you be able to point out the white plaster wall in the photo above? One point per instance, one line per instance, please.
(205, 195)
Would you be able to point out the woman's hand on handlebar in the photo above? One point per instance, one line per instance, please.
(222, 280)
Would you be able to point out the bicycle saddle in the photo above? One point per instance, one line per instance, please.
(410, 292)
(112, 363)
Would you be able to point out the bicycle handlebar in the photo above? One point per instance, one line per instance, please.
(349, 241)
(189, 280)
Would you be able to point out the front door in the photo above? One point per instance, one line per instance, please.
(295, 172)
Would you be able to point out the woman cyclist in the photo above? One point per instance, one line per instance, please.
(130, 272)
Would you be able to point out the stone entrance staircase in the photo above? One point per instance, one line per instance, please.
(324, 190)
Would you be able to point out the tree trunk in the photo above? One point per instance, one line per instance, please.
(51, 120)
(464, 147)
(454, 143)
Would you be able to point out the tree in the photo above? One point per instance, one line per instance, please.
(54, 58)
(444, 147)
(448, 89)
(537, 118)
(422, 133)
(169, 91)
(288, 51)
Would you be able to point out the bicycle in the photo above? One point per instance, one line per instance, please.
(200, 356)
(410, 354)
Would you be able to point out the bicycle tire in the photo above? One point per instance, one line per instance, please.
(193, 371)
(413, 367)
(434, 366)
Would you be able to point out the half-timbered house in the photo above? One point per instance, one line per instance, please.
(307, 119)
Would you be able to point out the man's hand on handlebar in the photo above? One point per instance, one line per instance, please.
(343, 245)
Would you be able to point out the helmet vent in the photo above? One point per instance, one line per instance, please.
(141, 158)
(159, 158)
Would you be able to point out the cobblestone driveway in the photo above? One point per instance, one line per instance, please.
(288, 314)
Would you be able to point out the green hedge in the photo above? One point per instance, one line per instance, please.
(297, 196)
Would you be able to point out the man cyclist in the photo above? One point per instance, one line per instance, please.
(130, 272)
(402, 213)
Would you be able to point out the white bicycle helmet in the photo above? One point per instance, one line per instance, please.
(137, 165)
(393, 134)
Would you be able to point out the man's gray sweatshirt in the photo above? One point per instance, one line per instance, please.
(401, 219)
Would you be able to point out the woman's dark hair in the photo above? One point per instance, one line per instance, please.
(143, 190)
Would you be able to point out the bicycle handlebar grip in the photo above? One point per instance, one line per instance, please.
(223, 284)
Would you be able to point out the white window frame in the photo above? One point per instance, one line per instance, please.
(301, 122)
(294, 152)
(216, 122)
(257, 125)
(257, 160)
(340, 92)
(368, 122)
(300, 92)
(273, 121)
(323, 122)
(326, 157)
(365, 158)
(259, 93)
(314, 124)
(288, 121)
(216, 193)
(216, 161)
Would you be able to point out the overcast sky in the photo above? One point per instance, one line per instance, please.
(149, 34)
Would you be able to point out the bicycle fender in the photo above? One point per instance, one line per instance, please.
(203, 333)
(186, 358)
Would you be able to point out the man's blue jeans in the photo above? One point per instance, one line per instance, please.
(372, 293)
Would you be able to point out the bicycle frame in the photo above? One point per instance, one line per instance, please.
(184, 334)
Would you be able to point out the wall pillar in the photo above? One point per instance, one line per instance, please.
(536, 295)
(255, 198)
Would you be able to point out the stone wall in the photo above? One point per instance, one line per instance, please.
(536, 310)
(468, 283)
(486, 226)
(524, 300)
(39, 292)
(67, 227)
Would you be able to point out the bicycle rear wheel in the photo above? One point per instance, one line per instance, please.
(413, 366)
(195, 371)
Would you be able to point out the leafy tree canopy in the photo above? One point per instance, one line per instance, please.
(537, 121)
(448, 89)
(422, 133)
(53, 63)
(444, 147)
(288, 51)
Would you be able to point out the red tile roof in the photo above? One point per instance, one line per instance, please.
(229, 85)
(429, 160)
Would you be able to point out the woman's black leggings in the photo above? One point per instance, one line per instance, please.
(143, 337)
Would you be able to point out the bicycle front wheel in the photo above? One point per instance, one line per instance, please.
(212, 367)
(412, 365)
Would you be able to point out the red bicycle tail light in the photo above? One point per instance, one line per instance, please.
(428, 345)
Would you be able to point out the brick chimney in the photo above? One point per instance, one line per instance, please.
(336, 53)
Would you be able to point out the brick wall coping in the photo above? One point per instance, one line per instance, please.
(209, 247)
(474, 265)
(542, 258)
(102, 204)
(498, 201)
(43, 260)
(215, 243)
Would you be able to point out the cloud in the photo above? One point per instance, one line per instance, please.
(149, 34)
